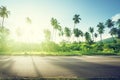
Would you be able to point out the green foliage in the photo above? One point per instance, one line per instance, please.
(67, 32)
(76, 19)
(50, 46)
(87, 37)
(3, 39)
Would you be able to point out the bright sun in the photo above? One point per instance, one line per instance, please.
(28, 33)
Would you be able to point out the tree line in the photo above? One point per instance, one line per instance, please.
(89, 36)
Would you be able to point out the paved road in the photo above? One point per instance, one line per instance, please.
(60, 67)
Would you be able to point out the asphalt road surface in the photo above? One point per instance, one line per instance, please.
(60, 67)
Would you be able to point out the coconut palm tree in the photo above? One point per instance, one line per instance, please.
(96, 35)
(61, 32)
(113, 31)
(81, 34)
(118, 23)
(91, 30)
(4, 14)
(76, 19)
(87, 37)
(55, 25)
(101, 29)
(109, 23)
(76, 32)
(118, 32)
(67, 32)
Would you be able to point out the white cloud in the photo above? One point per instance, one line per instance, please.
(116, 17)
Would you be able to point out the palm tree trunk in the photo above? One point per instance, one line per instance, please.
(74, 25)
(3, 22)
(93, 36)
(53, 35)
(78, 39)
(101, 37)
(95, 40)
(112, 37)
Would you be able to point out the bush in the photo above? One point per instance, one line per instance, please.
(50, 46)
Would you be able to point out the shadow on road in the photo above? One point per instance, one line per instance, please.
(6, 64)
(85, 69)
(36, 69)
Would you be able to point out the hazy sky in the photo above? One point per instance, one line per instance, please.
(41, 11)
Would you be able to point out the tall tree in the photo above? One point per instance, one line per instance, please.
(96, 35)
(76, 19)
(87, 37)
(76, 32)
(118, 23)
(110, 24)
(113, 31)
(101, 29)
(61, 32)
(81, 34)
(55, 25)
(67, 32)
(91, 30)
(118, 32)
(4, 14)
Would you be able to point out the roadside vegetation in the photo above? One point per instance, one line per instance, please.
(72, 40)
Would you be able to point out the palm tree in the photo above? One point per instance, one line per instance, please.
(76, 32)
(67, 32)
(109, 23)
(61, 33)
(81, 34)
(76, 19)
(113, 31)
(96, 35)
(101, 29)
(118, 32)
(4, 14)
(118, 23)
(91, 29)
(55, 25)
(87, 37)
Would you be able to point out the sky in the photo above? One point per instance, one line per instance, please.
(41, 11)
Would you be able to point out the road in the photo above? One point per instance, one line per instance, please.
(60, 67)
